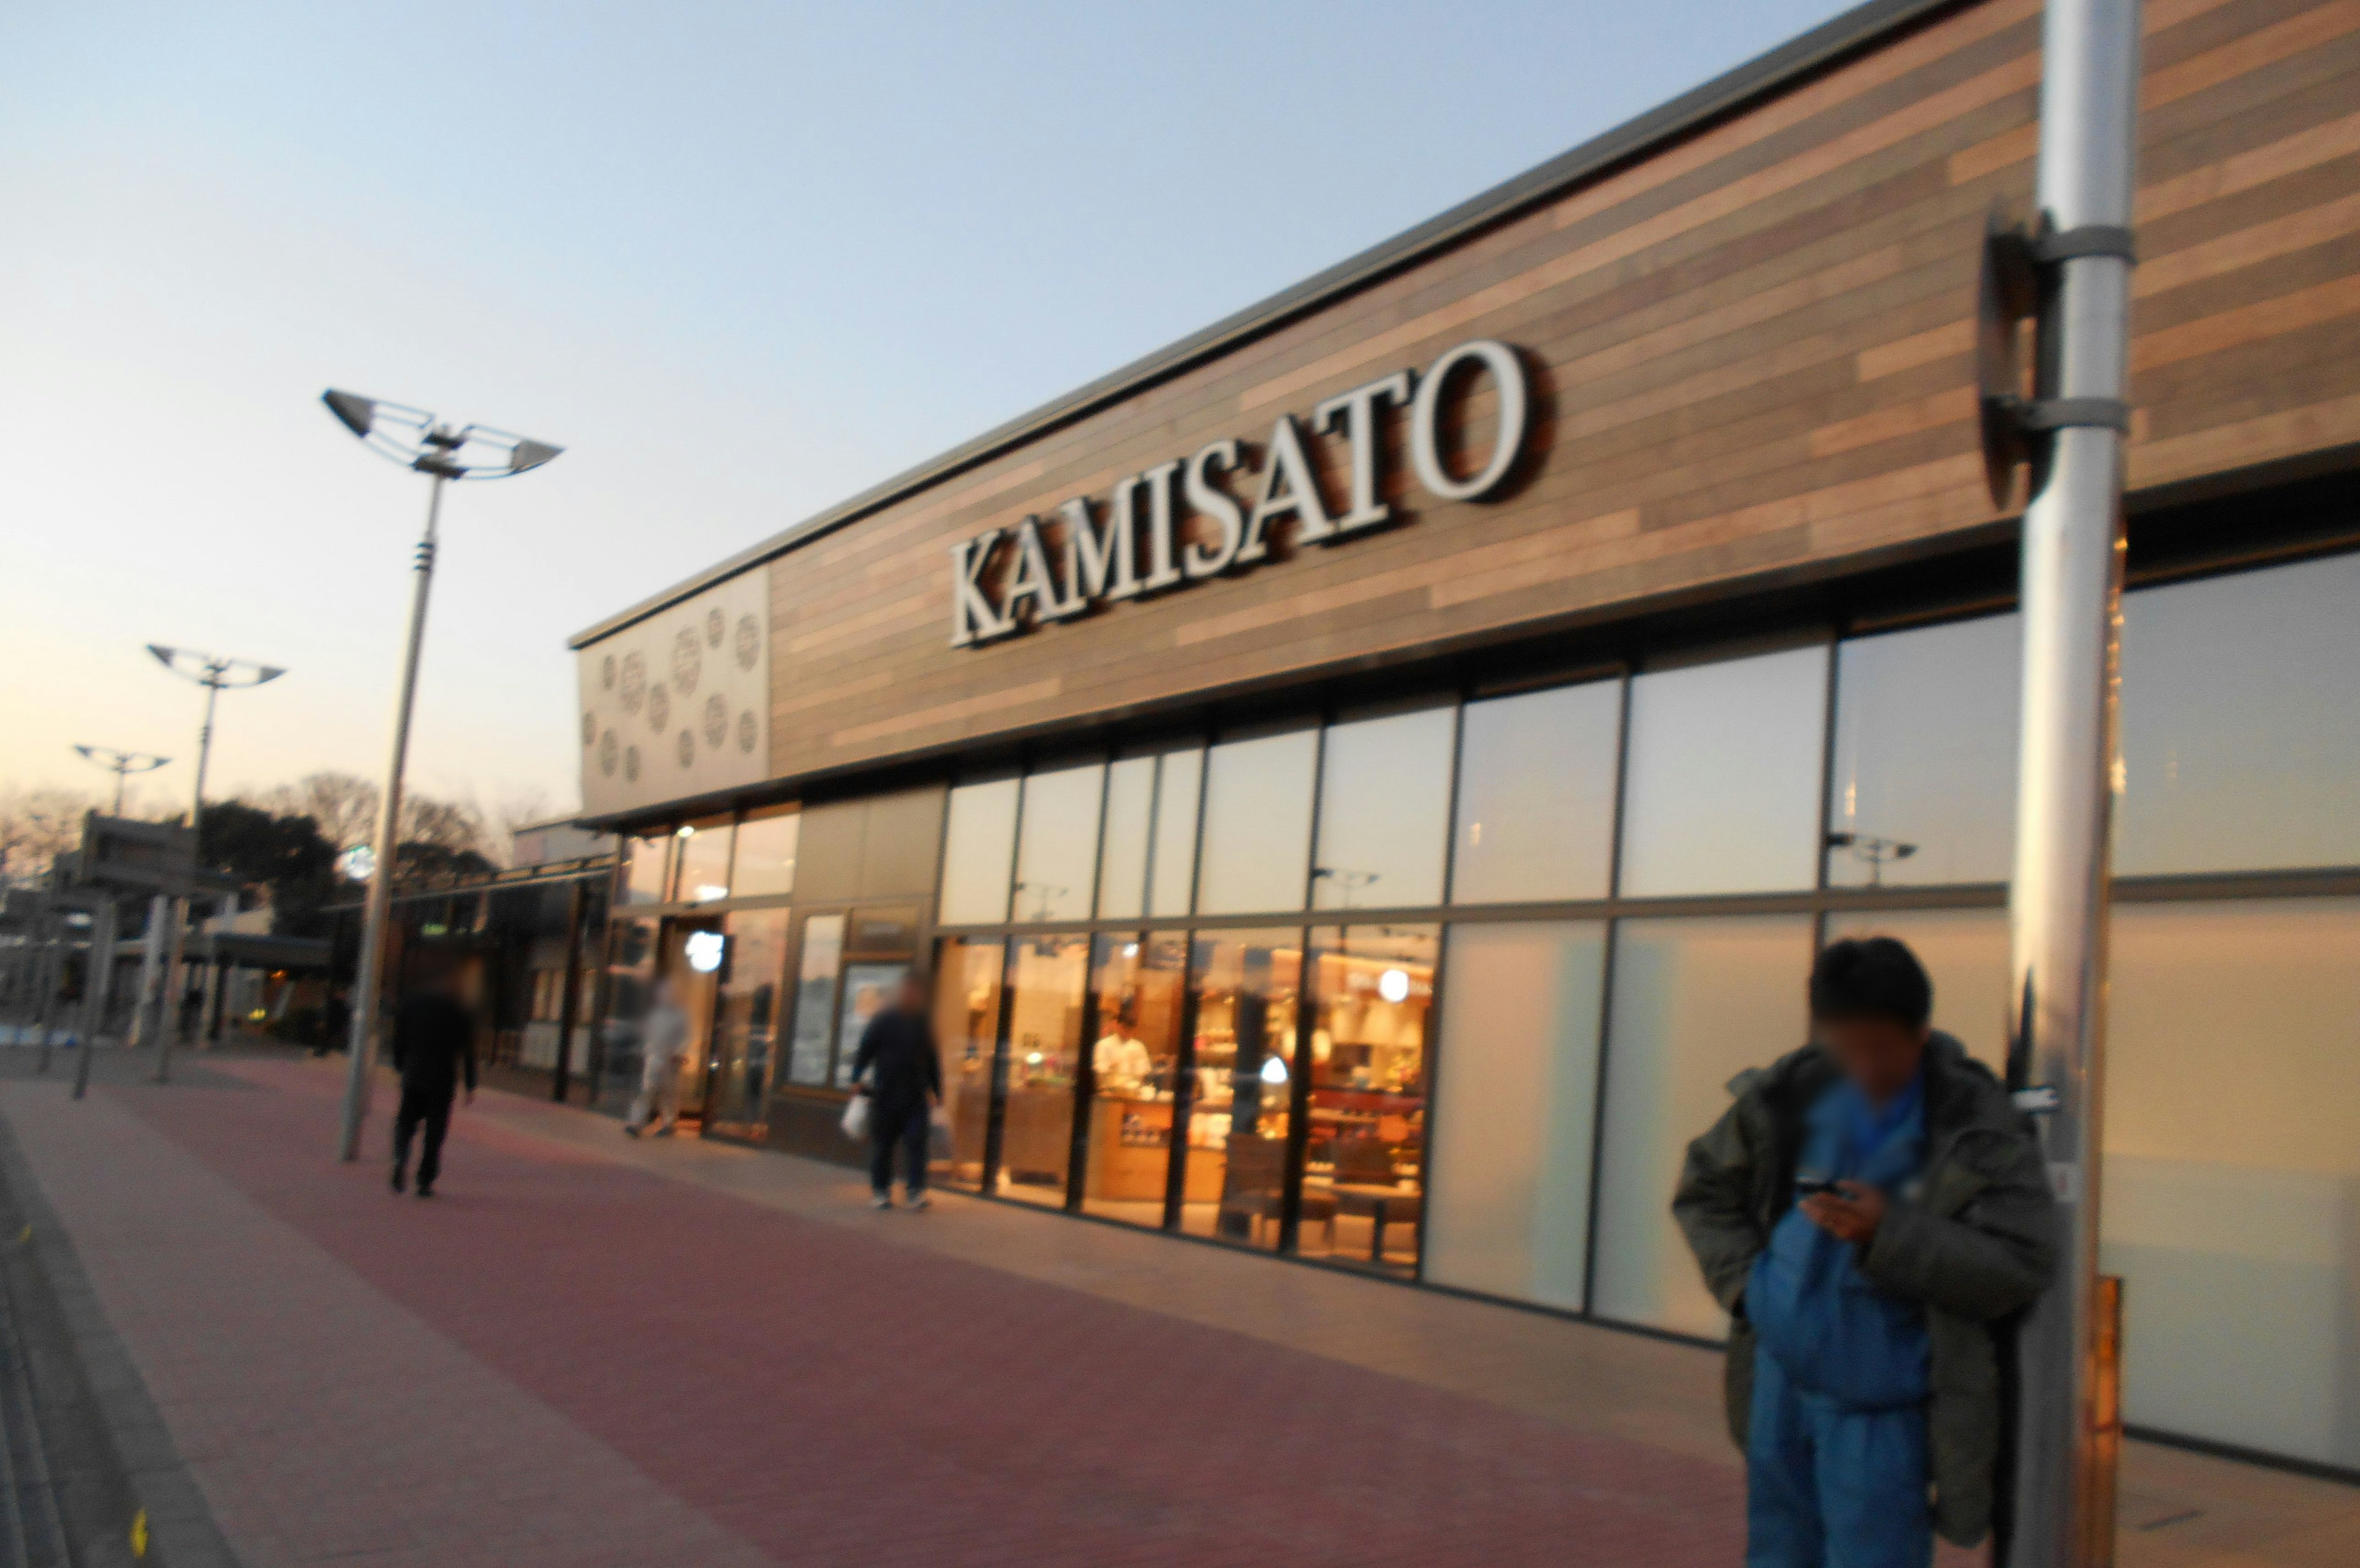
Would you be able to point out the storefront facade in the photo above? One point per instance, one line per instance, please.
(1360, 781)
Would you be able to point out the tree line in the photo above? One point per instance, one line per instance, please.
(282, 843)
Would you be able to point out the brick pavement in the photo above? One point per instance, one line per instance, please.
(575, 1355)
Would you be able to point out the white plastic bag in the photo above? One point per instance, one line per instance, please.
(856, 1116)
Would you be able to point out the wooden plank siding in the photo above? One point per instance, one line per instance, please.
(1750, 354)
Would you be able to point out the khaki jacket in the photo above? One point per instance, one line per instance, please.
(1974, 1246)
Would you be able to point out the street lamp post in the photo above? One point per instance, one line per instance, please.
(215, 674)
(416, 440)
(121, 763)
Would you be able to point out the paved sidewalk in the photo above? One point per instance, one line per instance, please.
(593, 1351)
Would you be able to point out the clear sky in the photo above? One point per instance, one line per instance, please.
(740, 260)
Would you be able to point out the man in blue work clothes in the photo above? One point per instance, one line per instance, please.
(1867, 1210)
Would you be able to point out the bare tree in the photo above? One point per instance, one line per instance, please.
(447, 824)
(341, 805)
(36, 827)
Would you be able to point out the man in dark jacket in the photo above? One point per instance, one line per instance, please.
(903, 1072)
(1867, 1210)
(434, 1042)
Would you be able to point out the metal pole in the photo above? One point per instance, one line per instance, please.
(380, 907)
(2071, 591)
(562, 1080)
(151, 955)
(47, 972)
(167, 1021)
(97, 980)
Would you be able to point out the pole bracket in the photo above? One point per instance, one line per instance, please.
(2022, 269)
(2041, 414)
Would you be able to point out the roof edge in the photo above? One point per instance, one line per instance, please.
(1762, 76)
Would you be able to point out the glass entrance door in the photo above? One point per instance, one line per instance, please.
(746, 1018)
(693, 949)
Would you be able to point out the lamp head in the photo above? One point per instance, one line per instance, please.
(413, 437)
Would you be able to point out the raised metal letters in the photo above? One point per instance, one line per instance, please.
(1097, 563)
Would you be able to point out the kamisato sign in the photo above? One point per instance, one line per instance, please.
(1006, 581)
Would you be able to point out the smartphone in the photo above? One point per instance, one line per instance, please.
(1813, 1186)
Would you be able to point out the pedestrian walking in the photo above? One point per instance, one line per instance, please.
(1867, 1212)
(433, 1047)
(902, 1074)
(663, 1042)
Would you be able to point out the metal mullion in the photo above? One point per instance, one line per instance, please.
(1824, 818)
(1085, 1079)
(1184, 1085)
(1431, 1066)
(995, 1111)
(1298, 1084)
(1606, 999)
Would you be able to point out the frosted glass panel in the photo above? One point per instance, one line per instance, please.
(1924, 756)
(1536, 795)
(1258, 823)
(2241, 722)
(2232, 1203)
(1696, 1002)
(979, 849)
(1384, 809)
(1965, 954)
(1724, 776)
(1057, 853)
(1172, 865)
(1129, 812)
(1515, 1102)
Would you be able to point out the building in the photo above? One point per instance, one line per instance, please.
(1360, 780)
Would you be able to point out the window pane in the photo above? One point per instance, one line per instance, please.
(1536, 795)
(1258, 822)
(967, 1026)
(2241, 722)
(1136, 1060)
(815, 1000)
(867, 991)
(746, 1015)
(1384, 810)
(1965, 954)
(1171, 867)
(979, 849)
(1518, 1105)
(1129, 812)
(1364, 1183)
(630, 988)
(1696, 1002)
(1044, 1049)
(766, 853)
(1724, 776)
(1247, 983)
(1058, 850)
(2233, 1173)
(646, 871)
(1925, 730)
(705, 861)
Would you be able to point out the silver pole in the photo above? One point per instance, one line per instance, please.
(169, 1013)
(97, 980)
(388, 822)
(2072, 602)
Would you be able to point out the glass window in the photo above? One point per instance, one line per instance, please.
(1516, 1111)
(1047, 977)
(1151, 834)
(746, 1013)
(2233, 1173)
(1384, 811)
(630, 989)
(1364, 1147)
(1135, 1063)
(966, 1027)
(647, 867)
(767, 842)
(868, 989)
(1242, 1100)
(1536, 795)
(703, 856)
(1965, 954)
(1694, 1002)
(1723, 788)
(1129, 816)
(979, 849)
(1172, 850)
(807, 1056)
(2241, 722)
(1058, 849)
(1258, 822)
(1924, 782)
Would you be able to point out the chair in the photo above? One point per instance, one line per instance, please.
(1367, 1186)
(1254, 1187)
